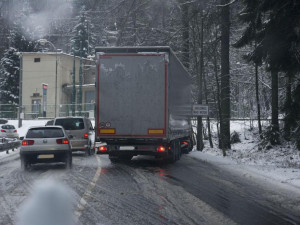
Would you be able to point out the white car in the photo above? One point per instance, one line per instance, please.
(8, 131)
(45, 144)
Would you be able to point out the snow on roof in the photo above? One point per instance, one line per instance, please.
(54, 53)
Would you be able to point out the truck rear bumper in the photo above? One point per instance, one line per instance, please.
(135, 153)
(134, 150)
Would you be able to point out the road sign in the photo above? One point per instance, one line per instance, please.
(200, 110)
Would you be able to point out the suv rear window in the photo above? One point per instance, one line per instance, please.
(45, 133)
(70, 123)
(8, 127)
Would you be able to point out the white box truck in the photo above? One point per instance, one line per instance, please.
(141, 96)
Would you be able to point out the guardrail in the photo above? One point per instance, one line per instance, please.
(8, 143)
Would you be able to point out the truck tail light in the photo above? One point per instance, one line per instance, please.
(86, 135)
(161, 149)
(3, 131)
(27, 142)
(62, 141)
(185, 143)
(102, 148)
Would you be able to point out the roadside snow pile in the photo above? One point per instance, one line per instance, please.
(248, 151)
(22, 131)
(280, 163)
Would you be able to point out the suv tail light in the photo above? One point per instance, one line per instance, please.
(62, 141)
(27, 142)
(86, 135)
(3, 131)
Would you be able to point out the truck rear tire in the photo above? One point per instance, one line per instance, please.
(113, 159)
(178, 149)
(173, 155)
(126, 157)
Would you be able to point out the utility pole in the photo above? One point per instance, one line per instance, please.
(55, 105)
(20, 92)
(79, 100)
(74, 88)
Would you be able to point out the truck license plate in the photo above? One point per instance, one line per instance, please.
(49, 156)
(126, 148)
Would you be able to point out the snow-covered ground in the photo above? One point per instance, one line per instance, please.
(280, 164)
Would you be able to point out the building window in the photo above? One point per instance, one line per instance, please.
(37, 59)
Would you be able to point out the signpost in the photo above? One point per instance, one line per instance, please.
(200, 110)
(45, 88)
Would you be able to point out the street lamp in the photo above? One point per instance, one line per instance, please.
(44, 42)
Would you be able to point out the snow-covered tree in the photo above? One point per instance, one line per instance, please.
(9, 77)
(82, 37)
(10, 65)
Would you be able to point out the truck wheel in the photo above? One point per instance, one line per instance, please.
(113, 159)
(178, 150)
(24, 163)
(126, 157)
(172, 156)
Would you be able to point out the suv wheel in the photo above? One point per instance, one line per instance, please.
(88, 151)
(68, 161)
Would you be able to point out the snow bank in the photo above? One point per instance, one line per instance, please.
(280, 164)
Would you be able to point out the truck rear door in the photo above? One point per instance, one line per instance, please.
(132, 95)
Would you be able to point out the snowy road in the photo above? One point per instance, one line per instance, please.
(146, 192)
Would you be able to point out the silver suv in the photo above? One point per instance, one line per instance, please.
(80, 132)
(45, 144)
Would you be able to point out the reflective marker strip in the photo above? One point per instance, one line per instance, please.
(156, 131)
(107, 131)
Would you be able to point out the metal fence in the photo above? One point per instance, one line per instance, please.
(36, 111)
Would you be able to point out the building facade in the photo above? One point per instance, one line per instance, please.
(47, 78)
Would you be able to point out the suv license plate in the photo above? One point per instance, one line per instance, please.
(49, 156)
(127, 148)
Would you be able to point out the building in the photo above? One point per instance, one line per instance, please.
(54, 72)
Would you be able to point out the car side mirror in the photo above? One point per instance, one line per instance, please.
(70, 136)
(21, 138)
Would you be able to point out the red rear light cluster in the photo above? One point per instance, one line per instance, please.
(3, 131)
(86, 135)
(102, 148)
(27, 142)
(161, 149)
(185, 143)
(15, 131)
(62, 141)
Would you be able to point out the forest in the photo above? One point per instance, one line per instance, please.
(243, 55)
